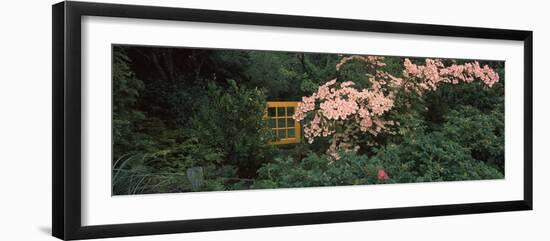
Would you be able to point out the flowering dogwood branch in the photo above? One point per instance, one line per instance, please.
(341, 111)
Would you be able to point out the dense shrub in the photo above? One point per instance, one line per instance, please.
(232, 121)
(126, 118)
(234, 114)
(316, 170)
(482, 134)
(165, 170)
(431, 157)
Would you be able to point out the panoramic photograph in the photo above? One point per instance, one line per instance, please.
(200, 119)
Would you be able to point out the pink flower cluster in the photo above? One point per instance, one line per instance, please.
(344, 108)
(468, 72)
(343, 104)
(421, 78)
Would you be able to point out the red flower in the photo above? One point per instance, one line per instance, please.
(382, 175)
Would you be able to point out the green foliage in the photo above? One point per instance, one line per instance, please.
(431, 157)
(235, 114)
(179, 109)
(179, 157)
(164, 170)
(232, 120)
(126, 88)
(275, 73)
(356, 71)
(441, 102)
(318, 170)
(482, 134)
(289, 76)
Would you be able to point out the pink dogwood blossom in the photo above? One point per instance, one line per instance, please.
(434, 72)
(341, 111)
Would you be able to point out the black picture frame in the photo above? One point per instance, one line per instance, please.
(66, 201)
